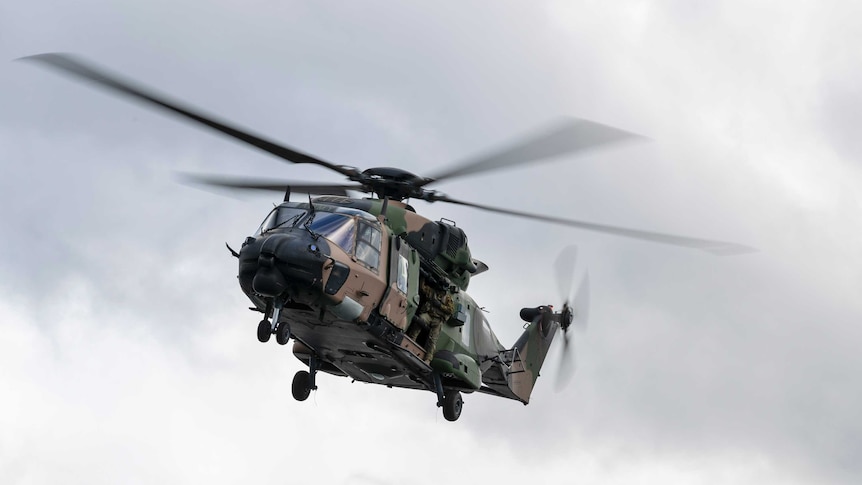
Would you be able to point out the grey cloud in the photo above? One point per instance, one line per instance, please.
(688, 358)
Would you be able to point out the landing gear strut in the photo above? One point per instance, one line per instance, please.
(303, 381)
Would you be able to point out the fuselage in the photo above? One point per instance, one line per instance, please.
(350, 286)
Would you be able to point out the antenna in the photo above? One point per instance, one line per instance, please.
(384, 208)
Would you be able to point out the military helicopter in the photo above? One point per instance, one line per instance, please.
(369, 289)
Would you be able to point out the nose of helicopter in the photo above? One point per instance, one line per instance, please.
(275, 264)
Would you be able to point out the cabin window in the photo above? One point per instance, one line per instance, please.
(368, 245)
(467, 328)
(401, 282)
(484, 334)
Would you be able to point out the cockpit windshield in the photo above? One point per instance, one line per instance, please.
(360, 238)
(337, 228)
(280, 217)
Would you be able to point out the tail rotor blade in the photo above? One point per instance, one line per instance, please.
(566, 369)
(576, 305)
(581, 304)
(565, 271)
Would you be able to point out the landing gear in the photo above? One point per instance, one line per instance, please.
(266, 328)
(452, 404)
(304, 382)
(450, 400)
(301, 385)
(282, 333)
(264, 331)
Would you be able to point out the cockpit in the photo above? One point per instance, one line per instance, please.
(355, 232)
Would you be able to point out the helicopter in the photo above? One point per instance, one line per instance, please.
(369, 289)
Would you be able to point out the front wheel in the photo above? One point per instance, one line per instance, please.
(282, 333)
(452, 404)
(264, 331)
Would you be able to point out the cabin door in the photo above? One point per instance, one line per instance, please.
(402, 297)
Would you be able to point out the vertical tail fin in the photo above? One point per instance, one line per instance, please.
(513, 373)
(515, 370)
(532, 348)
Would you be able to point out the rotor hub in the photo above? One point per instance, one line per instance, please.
(392, 183)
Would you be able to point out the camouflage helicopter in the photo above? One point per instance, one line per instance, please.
(369, 289)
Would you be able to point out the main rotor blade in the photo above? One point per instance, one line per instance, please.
(720, 248)
(569, 136)
(243, 183)
(83, 70)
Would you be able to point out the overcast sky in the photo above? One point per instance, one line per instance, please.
(128, 354)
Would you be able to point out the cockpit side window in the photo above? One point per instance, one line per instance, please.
(368, 245)
(337, 228)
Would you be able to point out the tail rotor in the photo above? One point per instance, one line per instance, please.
(575, 311)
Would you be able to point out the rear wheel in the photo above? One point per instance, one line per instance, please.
(301, 385)
(452, 404)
